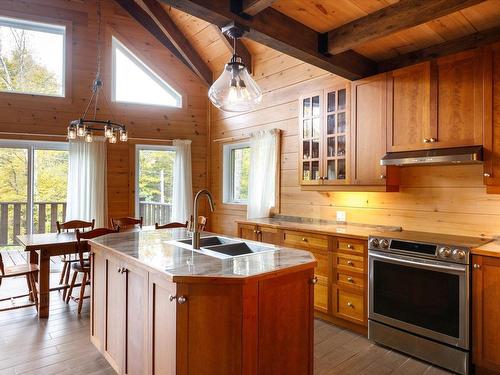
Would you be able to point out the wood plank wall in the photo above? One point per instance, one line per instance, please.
(448, 199)
(39, 115)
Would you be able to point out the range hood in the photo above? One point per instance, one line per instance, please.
(457, 155)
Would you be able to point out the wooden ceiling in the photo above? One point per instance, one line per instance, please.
(351, 38)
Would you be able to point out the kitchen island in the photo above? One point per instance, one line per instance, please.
(159, 307)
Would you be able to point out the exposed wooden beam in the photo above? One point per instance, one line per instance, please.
(282, 33)
(391, 19)
(177, 38)
(252, 7)
(447, 48)
(143, 18)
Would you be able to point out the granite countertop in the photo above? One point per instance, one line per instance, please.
(354, 230)
(491, 249)
(153, 248)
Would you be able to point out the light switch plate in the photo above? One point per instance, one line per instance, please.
(341, 216)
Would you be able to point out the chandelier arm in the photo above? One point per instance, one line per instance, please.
(88, 105)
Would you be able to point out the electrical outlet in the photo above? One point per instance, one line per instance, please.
(341, 216)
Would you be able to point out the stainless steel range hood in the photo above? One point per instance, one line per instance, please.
(458, 155)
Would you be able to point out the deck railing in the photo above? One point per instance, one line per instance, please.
(13, 219)
(153, 212)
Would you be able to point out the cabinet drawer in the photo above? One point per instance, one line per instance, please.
(305, 241)
(355, 280)
(349, 262)
(351, 246)
(247, 232)
(321, 293)
(349, 305)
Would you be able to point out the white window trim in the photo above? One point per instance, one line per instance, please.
(31, 146)
(139, 148)
(42, 27)
(117, 45)
(227, 173)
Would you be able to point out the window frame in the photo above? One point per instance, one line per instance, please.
(138, 149)
(116, 44)
(31, 147)
(44, 24)
(228, 173)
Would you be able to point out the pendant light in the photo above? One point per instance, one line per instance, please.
(235, 90)
(83, 127)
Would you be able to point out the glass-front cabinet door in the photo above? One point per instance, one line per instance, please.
(311, 139)
(323, 130)
(335, 135)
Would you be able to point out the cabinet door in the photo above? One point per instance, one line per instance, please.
(310, 131)
(114, 346)
(136, 306)
(492, 118)
(247, 232)
(335, 135)
(269, 235)
(98, 298)
(162, 328)
(486, 310)
(460, 100)
(368, 130)
(409, 108)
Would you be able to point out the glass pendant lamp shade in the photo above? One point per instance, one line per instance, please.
(71, 132)
(235, 90)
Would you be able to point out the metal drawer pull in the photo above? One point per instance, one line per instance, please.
(350, 279)
(350, 304)
(180, 300)
(350, 262)
(314, 280)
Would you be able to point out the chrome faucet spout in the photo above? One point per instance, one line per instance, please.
(196, 232)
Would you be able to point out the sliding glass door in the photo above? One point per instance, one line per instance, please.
(33, 183)
(154, 183)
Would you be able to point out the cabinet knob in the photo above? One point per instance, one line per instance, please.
(350, 279)
(432, 140)
(304, 239)
(477, 266)
(383, 177)
(486, 174)
(314, 280)
(350, 262)
(181, 300)
(349, 246)
(171, 298)
(426, 140)
(255, 231)
(259, 232)
(350, 304)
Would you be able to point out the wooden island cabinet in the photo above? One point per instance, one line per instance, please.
(200, 316)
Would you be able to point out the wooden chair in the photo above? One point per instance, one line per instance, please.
(29, 271)
(83, 265)
(68, 260)
(171, 225)
(126, 222)
(202, 223)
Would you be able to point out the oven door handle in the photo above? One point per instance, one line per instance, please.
(428, 265)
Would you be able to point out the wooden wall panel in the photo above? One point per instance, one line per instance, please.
(448, 199)
(50, 116)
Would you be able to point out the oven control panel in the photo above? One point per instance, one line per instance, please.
(442, 252)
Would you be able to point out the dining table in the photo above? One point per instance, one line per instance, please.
(41, 248)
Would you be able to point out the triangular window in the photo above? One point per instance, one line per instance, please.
(135, 82)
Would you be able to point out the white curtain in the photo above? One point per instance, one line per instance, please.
(182, 194)
(87, 193)
(262, 174)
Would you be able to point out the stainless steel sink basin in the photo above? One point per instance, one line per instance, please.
(205, 241)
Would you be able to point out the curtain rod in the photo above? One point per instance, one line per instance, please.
(64, 136)
(240, 137)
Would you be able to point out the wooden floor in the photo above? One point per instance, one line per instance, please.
(60, 345)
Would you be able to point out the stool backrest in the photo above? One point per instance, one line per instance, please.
(75, 224)
(171, 225)
(87, 236)
(124, 222)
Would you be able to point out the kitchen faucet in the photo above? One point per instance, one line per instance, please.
(196, 232)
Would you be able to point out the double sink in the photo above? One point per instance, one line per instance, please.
(224, 247)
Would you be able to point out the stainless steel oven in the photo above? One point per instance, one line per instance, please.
(419, 300)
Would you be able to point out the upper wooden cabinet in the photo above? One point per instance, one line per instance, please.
(324, 129)
(409, 108)
(492, 118)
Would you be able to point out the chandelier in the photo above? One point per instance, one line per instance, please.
(235, 90)
(85, 127)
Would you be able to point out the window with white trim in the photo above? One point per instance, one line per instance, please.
(32, 57)
(135, 82)
(236, 165)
